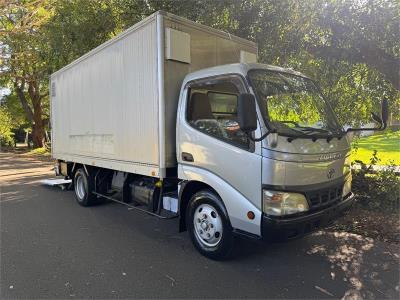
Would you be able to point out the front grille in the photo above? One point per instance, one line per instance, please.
(324, 197)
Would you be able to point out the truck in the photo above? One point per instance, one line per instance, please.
(178, 120)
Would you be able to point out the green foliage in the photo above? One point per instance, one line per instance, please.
(6, 125)
(377, 190)
(13, 106)
(355, 32)
(77, 27)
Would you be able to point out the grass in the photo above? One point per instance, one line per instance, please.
(387, 144)
(40, 151)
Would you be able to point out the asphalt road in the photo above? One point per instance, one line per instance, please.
(53, 248)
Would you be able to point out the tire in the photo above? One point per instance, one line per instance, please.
(84, 186)
(209, 226)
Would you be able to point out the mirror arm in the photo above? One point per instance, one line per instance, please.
(382, 120)
(376, 118)
(261, 137)
(382, 126)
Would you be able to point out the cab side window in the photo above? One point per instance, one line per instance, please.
(212, 109)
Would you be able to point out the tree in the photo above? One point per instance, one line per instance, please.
(359, 32)
(78, 26)
(5, 126)
(23, 54)
(353, 49)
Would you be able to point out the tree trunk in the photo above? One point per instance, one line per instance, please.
(21, 96)
(34, 114)
(38, 125)
(38, 135)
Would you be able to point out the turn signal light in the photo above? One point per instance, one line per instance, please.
(251, 215)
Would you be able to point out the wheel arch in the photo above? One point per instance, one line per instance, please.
(235, 203)
(187, 190)
(89, 170)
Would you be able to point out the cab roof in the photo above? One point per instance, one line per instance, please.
(237, 68)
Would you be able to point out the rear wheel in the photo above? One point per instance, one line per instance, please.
(84, 186)
(209, 226)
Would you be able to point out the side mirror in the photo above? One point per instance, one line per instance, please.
(384, 111)
(247, 113)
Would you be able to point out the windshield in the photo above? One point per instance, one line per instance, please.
(292, 104)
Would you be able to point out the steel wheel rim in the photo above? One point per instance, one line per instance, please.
(80, 187)
(208, 225)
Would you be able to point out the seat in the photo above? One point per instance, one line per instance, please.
(200, 107)
(201, 116)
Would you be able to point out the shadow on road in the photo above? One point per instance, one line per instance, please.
(355, 260)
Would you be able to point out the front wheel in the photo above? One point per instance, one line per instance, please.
(209, 226)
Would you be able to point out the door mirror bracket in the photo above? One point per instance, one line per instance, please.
(273, 141)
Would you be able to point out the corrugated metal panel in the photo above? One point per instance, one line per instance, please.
(106, 105)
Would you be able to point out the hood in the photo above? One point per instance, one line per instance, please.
(306, 150)
(304, 162)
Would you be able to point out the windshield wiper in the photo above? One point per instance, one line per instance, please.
(306, 128)
(310, 129)
(307, 133)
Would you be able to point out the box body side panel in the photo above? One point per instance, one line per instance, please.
(105, 108)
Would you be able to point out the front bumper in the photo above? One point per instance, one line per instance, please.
(285, 228)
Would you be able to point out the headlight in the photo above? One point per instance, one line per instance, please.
(280, 203)
(347, 187)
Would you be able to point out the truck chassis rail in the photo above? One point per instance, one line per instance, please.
(136, 208)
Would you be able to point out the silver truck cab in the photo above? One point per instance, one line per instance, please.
(288, 176)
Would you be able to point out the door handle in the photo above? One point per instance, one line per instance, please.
(187, 157)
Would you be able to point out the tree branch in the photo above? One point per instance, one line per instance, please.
(371, 55)
(22, 99)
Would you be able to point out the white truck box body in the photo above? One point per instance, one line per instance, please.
(115, 107)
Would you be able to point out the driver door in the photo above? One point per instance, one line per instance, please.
(210, 137)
